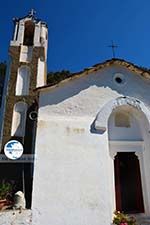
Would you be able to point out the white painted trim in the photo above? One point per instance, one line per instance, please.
(103, 115)
(124, 142)
(138, 148)
(126, 146)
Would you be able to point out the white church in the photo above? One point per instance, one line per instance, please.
(91, 137)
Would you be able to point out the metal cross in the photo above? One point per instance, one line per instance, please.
(113, 46)
(32, 12)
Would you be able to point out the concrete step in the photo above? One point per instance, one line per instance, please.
(143, 220)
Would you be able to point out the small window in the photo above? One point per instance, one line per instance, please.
(122, 119)
(119, 79)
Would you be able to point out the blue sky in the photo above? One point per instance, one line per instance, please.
(81, 30)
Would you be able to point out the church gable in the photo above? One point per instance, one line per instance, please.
(84, 94)
(143, 72)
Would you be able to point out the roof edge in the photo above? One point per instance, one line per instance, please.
(144, 72)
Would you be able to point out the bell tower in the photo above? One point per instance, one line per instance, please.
(27, 71)
(28, 52)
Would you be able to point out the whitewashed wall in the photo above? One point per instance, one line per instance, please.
(73, 177)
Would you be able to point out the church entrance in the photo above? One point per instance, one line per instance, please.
(129, 198)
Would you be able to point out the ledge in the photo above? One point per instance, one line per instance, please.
(126, 146)
(8, 217)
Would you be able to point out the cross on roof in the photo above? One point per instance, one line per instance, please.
(113, 46)
(32, 12)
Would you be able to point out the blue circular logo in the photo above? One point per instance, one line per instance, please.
(13, 149)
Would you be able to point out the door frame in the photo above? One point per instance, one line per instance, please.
(137, 147)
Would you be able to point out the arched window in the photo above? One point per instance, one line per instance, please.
(19, 119)
(23, 80)
(29, 33)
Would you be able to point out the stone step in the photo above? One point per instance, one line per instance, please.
(143, 220)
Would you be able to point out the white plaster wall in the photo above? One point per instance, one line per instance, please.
(19, 119)
(19, 40)
(9, 217)
(37, 34)
(15, 33)
(23, 80)
(21, 32)
(44, 38)
(145, 166)
(75, 188)
(40, 73)
(88, 94)
(26, 53)
(73, 176)
(134, 132)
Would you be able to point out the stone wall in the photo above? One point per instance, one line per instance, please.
(11, 98)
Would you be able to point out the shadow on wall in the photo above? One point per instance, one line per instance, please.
(94, 131)
(135, 86)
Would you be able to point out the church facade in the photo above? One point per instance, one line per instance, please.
(95, 145)
(90, 138)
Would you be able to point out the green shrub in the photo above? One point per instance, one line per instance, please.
(123, 219)
(6, 189)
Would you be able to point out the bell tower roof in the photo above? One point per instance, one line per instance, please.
(30, 31)
(30, 16)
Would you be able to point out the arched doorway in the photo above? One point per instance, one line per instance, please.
(124, 130)
(125, 123)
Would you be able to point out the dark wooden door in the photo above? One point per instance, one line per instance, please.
(129, 198)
